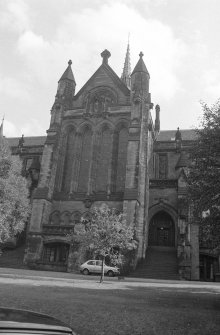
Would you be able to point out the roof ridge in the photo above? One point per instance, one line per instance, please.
(108, 68)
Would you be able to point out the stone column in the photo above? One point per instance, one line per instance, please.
(143, 182)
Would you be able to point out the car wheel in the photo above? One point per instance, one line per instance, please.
(86, 272)
(110, 273)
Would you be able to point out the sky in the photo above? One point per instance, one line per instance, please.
(179, 39)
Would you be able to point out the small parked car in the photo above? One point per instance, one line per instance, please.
(95, 266)
(16, 321)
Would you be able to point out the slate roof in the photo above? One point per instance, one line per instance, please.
(164, 135)
(68, 73)
(118, 82)
(183, 160)
(168, 135)
(140, 66)
(28, 141)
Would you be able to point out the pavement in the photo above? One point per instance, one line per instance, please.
(63, 279)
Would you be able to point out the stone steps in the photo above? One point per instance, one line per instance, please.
(160, 263)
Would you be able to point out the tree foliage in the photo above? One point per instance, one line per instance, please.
(204, 176)
(106, 233)
(14, 202)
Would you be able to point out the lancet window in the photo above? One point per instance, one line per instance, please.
(69, 160)
(104, 160)
(85, 161)
(121, 159)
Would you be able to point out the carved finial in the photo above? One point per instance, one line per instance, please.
(157, 108)
(105, 55)
(178, 135)
(21, 142)
(70, 62)
(178, 139)
(141, 54)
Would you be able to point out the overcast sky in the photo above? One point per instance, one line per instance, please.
(179, 39)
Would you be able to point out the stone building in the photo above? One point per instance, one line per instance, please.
(103, 146)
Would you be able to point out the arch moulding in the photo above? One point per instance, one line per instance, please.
(161, 206)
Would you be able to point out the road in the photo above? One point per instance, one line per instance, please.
(125, 307)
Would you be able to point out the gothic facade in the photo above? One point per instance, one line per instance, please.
(103, 146)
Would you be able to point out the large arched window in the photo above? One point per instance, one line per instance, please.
(122, 139)
(68, 162)
(85, 161)
(104, 160)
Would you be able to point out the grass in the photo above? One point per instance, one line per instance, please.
(138, 311)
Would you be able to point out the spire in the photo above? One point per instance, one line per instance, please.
(178, 135)
(140, 80)
(126, 74)
(66, 87)
(178, 140)
(140, 66)
(68, 74)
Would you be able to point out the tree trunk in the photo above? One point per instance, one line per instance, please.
(103, 272)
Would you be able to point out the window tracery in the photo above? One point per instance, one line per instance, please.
(68, 160)
(104, 160)
(121, 159)
(85, 161)
(97, 103)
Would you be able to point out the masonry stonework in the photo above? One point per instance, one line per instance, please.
(102, 146)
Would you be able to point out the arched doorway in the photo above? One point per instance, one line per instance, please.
(162, 230)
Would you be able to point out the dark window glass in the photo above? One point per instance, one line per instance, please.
(104, 161)
(121, 159)
(69, 158)
(85, 161)
(55, 253)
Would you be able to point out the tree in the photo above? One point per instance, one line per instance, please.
(204, 176)
(14, 202)
(106, 233)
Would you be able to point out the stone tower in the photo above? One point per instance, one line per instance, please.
(102, 146)
(141, 133)
(97, 150)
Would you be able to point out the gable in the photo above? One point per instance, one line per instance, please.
(103, 78)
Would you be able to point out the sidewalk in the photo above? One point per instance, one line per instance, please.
(63, 279)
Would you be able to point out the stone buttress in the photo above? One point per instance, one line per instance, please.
(138, 155)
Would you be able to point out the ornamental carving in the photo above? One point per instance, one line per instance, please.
(97, 102)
